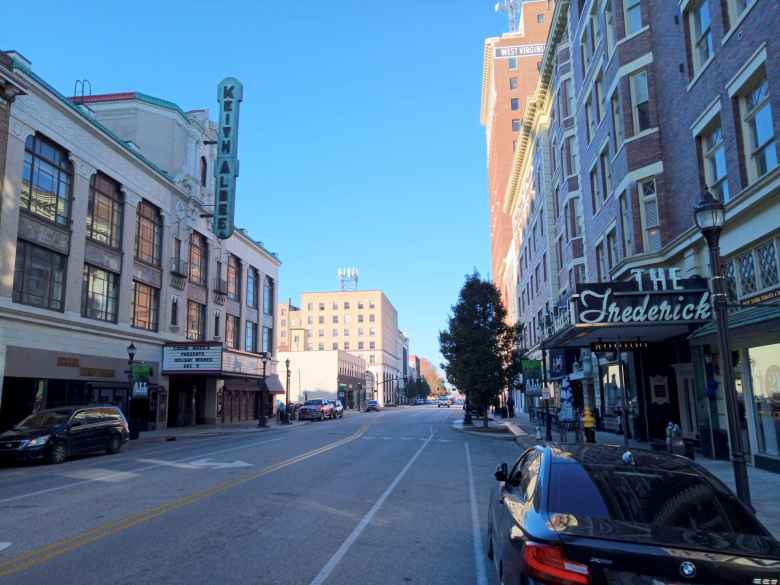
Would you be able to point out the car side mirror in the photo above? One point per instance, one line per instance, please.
(502, 472)
(73, 424)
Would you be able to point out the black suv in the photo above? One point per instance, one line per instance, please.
(58, 433)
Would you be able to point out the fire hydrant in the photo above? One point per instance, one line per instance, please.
(589, 425)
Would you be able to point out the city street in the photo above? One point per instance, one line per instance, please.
(377, 498)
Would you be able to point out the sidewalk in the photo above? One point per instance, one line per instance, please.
(764, 485)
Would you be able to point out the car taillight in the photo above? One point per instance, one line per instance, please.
(546, 562)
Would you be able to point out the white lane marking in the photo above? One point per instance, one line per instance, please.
(208, 463)
(4, 545)
(109, 476)
(366, 520)
(479, 558)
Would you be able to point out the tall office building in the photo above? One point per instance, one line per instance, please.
(509, 77)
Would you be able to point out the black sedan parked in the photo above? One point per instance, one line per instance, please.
(58, 433)
(602, 515)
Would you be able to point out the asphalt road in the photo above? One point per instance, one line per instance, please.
(396, 497)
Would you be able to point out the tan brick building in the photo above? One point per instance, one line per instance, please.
(361, 322)
(509, 76)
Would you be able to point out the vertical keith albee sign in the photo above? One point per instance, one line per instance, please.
(230, 92)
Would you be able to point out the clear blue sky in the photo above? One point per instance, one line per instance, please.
(360, 141)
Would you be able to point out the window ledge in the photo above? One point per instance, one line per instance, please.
(736, 24)
(627, 38)
(640, 135)
(700, 72)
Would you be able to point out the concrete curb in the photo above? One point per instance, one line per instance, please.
(461, 429)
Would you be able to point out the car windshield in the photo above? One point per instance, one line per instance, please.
(43, 419)
(312, 403)
(646, 496)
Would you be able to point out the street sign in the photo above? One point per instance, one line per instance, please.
(230, 92)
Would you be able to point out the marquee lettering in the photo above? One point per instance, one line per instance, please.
(600, 308)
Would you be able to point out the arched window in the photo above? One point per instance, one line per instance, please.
(47, 180)
(204, 167)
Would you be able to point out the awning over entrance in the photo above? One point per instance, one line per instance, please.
(273, 384)
(654, 307)
(743, 325)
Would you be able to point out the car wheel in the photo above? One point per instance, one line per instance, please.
(115, 444)
(58, 454)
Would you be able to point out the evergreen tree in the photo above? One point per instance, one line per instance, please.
(478, 346)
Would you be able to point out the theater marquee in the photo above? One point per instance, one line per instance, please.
(653, 297)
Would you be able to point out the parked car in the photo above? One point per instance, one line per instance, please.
(419, 401)
(443, 401)
(317, 409)
(597, 515)
(338, 409)
(373, 405)
(58, 433)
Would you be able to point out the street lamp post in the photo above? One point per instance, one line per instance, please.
(287, 394)
(261, 420)
(710, 216)
(130, 361)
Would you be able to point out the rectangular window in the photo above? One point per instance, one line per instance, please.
(625, 224)
(714, 158)
(610, 25)
(322, 307)
(148, 233)
(217, 323)
(700, 27)
(321, 319)
(250, 337)
(232, 331)
(144, 306)
(47, 180)
(234, 278)
(361, 345)
(372, 345)
(574, 218)
(758, 128)
(513, 83)
(568, 92)
(512, 62)
(516, 124)
(640, 100)
(601, 263)
(104, 211)
(515, 104)
(617, 121)
(606, 174)
(251, 287)
(735, 9)
(335, 318)
(371, 318)
(99, 294)
(612, 251)
(320, 347)
(39, 277)
(595, 195)
(650, 219)
(590, 119)
(198, 259)
(320, 333)
(560, 253)
(544, 266)
(268, 336)
(268, 296)
(632, 15)
(601, 106)
(346, 332)
(196, 321)
(360, 331)
(570, 151)
(346, 346)
(372, 331)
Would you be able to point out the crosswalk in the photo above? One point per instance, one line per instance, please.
(385, 438)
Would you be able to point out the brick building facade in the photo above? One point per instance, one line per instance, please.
(640, 106)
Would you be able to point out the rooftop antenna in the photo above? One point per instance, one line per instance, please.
(514, 11)
(348, 278)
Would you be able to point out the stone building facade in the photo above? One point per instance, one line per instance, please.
(107, 246)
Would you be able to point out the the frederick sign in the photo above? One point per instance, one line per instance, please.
(230, 92)
(654, 296)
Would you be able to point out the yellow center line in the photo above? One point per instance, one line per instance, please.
(65, 545)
